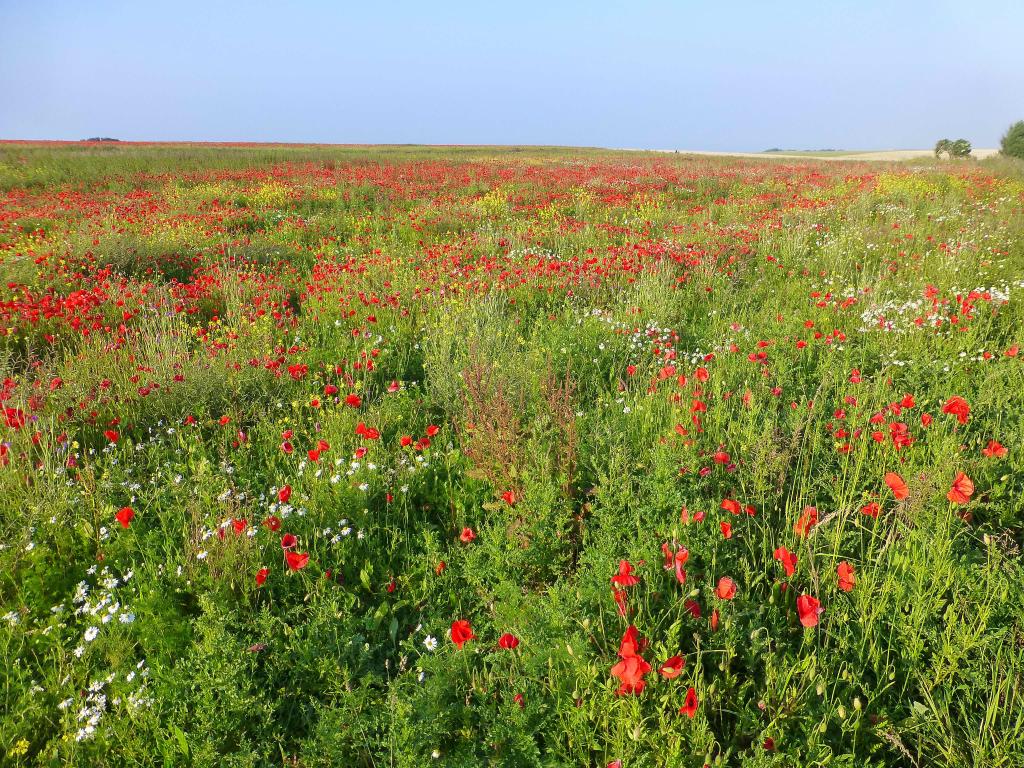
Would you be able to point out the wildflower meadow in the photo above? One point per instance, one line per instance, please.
(363, 456)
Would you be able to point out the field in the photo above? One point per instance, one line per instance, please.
(356, 456)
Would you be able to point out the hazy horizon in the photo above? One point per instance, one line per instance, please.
(650, 75)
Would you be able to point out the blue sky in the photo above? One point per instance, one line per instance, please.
(724, 75)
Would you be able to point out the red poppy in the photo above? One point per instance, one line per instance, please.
(958, 407)
(273, 523)
(897, 486)
(296, 560)
(788, 560)
(630, 672)
(462, 632)
(672, 668)
(509, 497)
(807, 520)
(994, 450)
(625, 577)
(731, 505)
(962, 489)
(631, 643)
(809, 608)
(847, 577)
(288, 541)
(467, 536)
(726, 589)
(689, 707)
(353, 401)
(284, 494)
(726, 529)
(870, 509)
(124, 516)
(508, 641)
(261, 576)
(676, 561)
(111, 435)
(432, 430)
(693, 607)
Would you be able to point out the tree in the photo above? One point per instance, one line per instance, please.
(1013, 141)
(960, 148)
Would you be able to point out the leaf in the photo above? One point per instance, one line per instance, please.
(179, 736)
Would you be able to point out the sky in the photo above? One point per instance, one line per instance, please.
(728, 75)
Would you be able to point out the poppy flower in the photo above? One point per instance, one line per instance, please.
(124, 516)
(625, 577)
(261, 576)
(726, 589)
(676, 561)
(897, 486)
(870, 509)
(847, 577)
(296, 560)
(508, 641)
(690, 703)
(432, 430)
(619, 596)
(462, 632)
(672, 668)
(509, 497)
(808, 608)
(284, 494)
(807, 520)
(273, 523)
(962, 489)
(994, 450)
(353, 401)
(788, 560)
(731, 506)
(726, 529)
(957, 406)
(630, 672)
(288, 541)
(631, 643)
(467, 536)
(111, 435)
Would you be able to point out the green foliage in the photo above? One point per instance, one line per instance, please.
(1012, 143)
